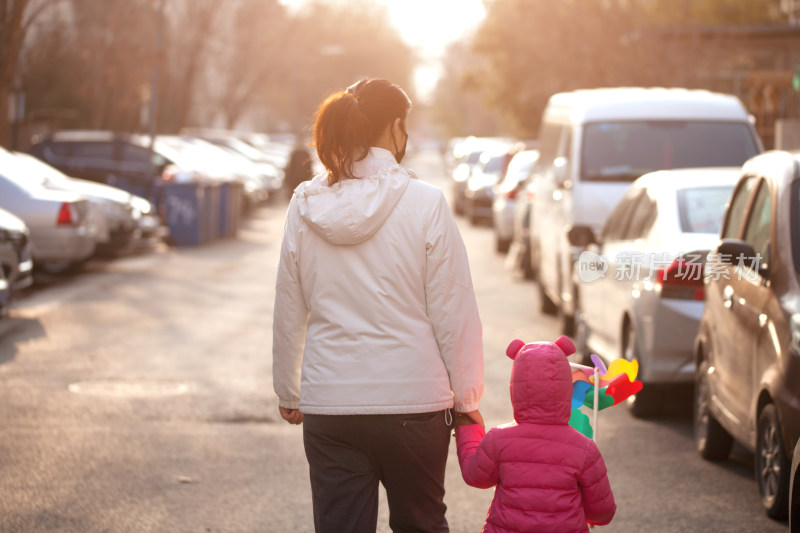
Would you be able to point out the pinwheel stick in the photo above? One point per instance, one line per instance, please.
(595, 407)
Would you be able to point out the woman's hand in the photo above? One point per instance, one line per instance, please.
(293, 416)
(473, 416)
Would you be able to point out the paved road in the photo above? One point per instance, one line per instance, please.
(136, 396)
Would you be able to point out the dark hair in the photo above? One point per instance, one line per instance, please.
(349, 122)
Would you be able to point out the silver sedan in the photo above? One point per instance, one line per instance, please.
(61, 229)
(640, 281)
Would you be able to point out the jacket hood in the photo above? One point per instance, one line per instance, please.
(351, 211)
(541, 381)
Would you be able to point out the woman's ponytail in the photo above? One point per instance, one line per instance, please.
(349, 122)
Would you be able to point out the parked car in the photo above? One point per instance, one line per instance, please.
(467, 158)
(121, 226)
(117, 159)
(263, 164)
(646, 306)
(594, 143)
(216, 164)
(747, 351)
(63, 226)
(794, 491)
(479, 193)
(16, 265)
(505, 197)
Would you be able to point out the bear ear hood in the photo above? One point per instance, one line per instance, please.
(541, 381)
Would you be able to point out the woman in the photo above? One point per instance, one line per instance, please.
(376, 334)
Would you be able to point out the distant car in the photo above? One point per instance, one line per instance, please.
(479, 193)
(216, 163)
(264, 164)
(794, 491)
(62, 228)
(122, 214)
(16, 264)
(647, 305)
(465, 160)
(505, 197)
(747, 350)
(117, 159)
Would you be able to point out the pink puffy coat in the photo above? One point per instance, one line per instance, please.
(549, 477)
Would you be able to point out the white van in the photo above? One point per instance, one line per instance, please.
(593, 143)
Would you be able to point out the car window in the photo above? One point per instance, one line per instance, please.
(701, 209)
(135, 154)
(617, 222)
(738, 205)
(93, 150)
(642, 218)
(624, 150)
(757, 231)
(59, 149)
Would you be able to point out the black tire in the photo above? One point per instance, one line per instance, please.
(648, 402)
(581, 337)
(501, 246)
(526, 263)
(546, 305)
(772, 464)
(713, 442)
(567, 321)
(5, 293)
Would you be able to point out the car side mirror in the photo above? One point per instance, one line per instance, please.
(562, 180)
(581, 236)
(737, 252)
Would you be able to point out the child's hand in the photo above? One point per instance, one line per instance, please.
(473, 417)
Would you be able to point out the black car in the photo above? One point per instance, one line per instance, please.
(748, 346)
(118, 159)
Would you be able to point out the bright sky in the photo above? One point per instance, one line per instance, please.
(429, 26)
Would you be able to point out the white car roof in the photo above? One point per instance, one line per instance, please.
(683, 178)
(632, 103)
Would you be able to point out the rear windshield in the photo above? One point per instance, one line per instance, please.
(701, 209)
(623, 151)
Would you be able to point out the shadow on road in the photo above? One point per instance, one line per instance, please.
(16, 330)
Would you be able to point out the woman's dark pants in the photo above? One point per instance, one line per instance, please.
(348, 455)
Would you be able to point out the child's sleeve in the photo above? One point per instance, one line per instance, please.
(476, 456)
(598, 500)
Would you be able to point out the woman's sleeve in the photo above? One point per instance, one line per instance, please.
(475, 457)
(598, 500)
(290, 317)
(452, 308)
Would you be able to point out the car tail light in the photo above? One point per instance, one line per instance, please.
(683, 280)
(512, 193)
(529, 196)
(68, 215)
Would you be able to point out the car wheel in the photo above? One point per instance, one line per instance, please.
(5, 293)
(772, 464)
(713, 442)
(527, 265)
(501, 245)
(546, 305)
(581, 336)
(648, 401)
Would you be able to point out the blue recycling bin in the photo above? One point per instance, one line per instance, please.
(185, 206)
(230, 207)
(211, 212)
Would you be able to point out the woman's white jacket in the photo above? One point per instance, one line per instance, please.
(374, 309)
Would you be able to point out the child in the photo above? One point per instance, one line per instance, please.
(549, 477)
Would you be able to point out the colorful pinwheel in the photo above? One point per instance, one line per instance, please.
(616, 383)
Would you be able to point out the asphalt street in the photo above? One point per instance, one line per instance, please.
(136, 396)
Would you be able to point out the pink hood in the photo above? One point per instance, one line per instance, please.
(541, 381)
